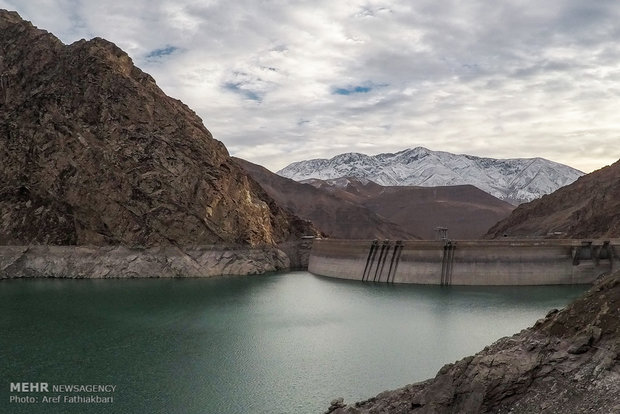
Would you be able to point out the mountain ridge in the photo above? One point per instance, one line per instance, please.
(361, 209)
(465, 210)
(515, 180)
(93, 152)
(589, 207)
(337, 217)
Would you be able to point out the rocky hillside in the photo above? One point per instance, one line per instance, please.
(568, 363)
(93, 152)
(361, 209)
(590, 207)
(466, 211)
(334, 215)
(513, 180)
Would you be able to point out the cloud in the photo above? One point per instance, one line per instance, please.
(278, 81)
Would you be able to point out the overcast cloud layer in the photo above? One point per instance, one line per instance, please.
(280, 80)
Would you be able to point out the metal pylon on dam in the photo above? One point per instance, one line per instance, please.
(379, 263)
(447, 262)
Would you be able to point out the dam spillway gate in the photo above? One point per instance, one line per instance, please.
(469, 262)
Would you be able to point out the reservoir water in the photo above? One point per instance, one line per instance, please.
(282, 343)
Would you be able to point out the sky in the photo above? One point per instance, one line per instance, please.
(279, 81)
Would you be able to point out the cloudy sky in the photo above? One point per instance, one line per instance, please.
(281, 80)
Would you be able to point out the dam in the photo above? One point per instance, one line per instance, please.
(466, 262)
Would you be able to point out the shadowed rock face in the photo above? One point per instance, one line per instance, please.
(589, 207)
(569, 362)
(93, 152)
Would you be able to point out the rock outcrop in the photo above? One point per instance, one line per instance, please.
(92, 152)
(587, 208)
(568, 362)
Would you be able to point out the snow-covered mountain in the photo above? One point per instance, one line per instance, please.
(515, 180)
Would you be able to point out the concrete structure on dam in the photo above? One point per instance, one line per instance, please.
(480, 262)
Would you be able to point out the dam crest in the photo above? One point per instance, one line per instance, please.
(466, 262)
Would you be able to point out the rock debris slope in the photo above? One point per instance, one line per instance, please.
(568, 363)
(93, 152)
(513, 180)
(588, 208)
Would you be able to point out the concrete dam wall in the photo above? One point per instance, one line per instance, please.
(480, 262)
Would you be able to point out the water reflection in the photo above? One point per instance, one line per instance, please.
(277, 343)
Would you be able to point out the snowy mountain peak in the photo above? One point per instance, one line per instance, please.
(515, 180)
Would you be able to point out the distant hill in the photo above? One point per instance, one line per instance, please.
(93, 152)
(587, 208)
(513, 180)
(334, 215)
(352, 208)
(465, 210)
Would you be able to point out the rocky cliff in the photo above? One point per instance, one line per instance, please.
(93, 152)
(569, 362)
(587, 208)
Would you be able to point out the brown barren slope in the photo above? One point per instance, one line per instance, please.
(465, 210)
(589, 207)
(336, 216)
(93, 152)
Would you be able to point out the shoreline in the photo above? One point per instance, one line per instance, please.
(120, 262)
(567, 362)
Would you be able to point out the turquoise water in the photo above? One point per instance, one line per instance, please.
(283, 343)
